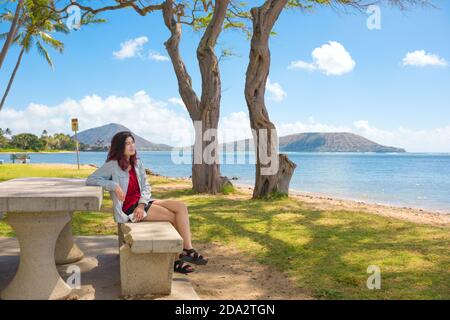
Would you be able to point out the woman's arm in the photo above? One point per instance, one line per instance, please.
(146, 192)
(102, 177)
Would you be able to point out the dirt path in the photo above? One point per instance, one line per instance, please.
(231, 275)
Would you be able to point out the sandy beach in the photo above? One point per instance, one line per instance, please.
(320, 201)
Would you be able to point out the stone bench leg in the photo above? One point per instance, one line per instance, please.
(37, 277)
(145, 273)
(66, 250)
(120, 236)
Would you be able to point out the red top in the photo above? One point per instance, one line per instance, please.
(133, 192)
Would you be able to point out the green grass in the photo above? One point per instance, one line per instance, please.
(328, 252)
(229, 189)
(10, 171)
(324, 252)
(29, 151)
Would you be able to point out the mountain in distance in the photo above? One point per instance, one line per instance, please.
(320, 142)
(332, 142)
(100, 137)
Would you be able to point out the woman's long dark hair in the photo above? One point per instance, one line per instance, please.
(117, 149)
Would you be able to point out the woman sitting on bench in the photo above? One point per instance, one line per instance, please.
(124, 171)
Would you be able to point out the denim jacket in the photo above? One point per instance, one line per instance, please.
(109, 175)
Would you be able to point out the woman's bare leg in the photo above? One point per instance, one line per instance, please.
(160, 213)
(181, 218)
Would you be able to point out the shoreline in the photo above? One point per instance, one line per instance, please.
(328, 202)
(323, 201)
(357, 200)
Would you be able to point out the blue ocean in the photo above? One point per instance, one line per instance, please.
(419, 180)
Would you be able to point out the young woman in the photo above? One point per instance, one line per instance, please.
(123, 175)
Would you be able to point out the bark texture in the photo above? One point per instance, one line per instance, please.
(204, 110)
(263, 19)
(12, 33)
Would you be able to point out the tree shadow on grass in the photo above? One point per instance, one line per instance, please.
(331, 258)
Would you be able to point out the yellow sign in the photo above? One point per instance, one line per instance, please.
(75, 124)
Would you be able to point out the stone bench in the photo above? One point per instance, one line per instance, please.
(147, 255)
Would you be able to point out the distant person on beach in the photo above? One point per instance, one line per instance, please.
(123, 170)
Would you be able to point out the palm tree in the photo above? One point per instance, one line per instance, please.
(12, 32)
(35, 30)
(44, 138)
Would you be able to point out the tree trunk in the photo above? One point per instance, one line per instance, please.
(12, 33)
(275, 183)
(204, 112)
(205, 167)
(274, 175)
(12, 78)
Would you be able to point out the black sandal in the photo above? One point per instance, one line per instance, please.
(196, 258)
(178, 267)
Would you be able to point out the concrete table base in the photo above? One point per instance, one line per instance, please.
(66, 250)
(100, 271)
(37, 276)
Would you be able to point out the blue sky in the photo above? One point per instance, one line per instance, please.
(375, 95)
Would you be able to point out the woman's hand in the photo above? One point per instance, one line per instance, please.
(119, 193)
(139, 212)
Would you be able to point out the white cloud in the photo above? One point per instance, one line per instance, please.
(140, 113)
(154, 55)
(331, 59)
(276, 91)
(302, 65)
(420, 58)
(431, 140)
(310, 125)
(176, 101)
(152, 120)
(235, 126)
(131, 48)
(135, 47)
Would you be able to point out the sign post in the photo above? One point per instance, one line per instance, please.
(75, 128)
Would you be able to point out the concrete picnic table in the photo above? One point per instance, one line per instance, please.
(40, 212)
